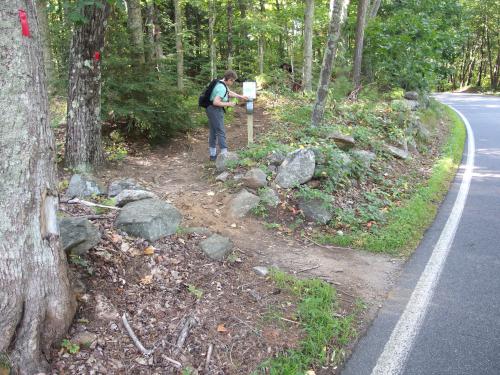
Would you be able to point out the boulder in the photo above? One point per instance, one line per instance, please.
(255, 178)
(117, 186)
(269, 197)
(222, 161)
(82, 186)
(296, 169)
(411, 95)
(365, 157)
(315, 209)
(129, 196)
(150, 219)
(276, 158)
(216, 247)
(242, 203)
(397, 152)
(344, 142)
(78, 235)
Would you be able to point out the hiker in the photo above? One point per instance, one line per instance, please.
(219, 98)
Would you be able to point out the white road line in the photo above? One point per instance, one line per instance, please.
(396, 350)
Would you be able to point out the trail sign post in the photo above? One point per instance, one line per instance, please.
(250, 90)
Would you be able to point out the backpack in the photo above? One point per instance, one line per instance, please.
(204, 99)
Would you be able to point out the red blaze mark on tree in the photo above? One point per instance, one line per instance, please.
(97, 56)
(24, 22)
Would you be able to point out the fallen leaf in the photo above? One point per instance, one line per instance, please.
(210, 193)
(233, 225)
(125, 247)
(146, 280)
(116, 238)
(150, 250)
(221, 328)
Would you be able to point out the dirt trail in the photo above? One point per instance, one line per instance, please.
(180, 173)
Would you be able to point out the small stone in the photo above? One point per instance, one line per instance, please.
(221, 164)
(261, 270)
(104, 309)
(255, 178)
(216, 247)
(222, 177)
(83, 186)
(128, 196)
(242, 204)
(117, 186)
(84, 338)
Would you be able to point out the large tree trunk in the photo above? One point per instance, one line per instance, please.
(358, 50)
(41, 8)
(155, 48)
(36, 304)
(83, 136)
(337, 20)
(178, 45)
(211, 41)
(134, 23)
(308, 46)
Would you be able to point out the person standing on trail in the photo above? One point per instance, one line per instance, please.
(219, 99)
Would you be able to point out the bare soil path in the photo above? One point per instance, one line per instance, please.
(181, 173)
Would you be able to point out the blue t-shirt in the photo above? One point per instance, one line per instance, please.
(220, 91)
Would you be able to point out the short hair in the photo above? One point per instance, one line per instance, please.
(230, 74)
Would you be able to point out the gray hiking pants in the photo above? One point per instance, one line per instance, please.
(216, 124)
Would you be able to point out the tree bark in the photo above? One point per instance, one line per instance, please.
(155, 48)
(308, 44)
(83, 136)
(337, 20)
(358, 50)
(229, 34)
(261, 40)
(41, 7)
(178, 45)
(134, 23)
(374, 8)
(211, 41)
(36, 303)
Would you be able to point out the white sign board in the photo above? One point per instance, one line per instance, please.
(250, 90)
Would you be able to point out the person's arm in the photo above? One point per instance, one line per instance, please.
(235, 95)
(219, 103)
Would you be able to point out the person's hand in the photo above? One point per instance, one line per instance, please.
(244, 97)
(232, 104)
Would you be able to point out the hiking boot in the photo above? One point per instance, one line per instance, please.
(213, 158)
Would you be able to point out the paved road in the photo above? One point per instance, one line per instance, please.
(443, 318)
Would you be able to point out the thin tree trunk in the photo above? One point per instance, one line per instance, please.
(36, 302)
(211, 41)
(308, 44)
(490, 61)
(496, 72)
(229, 34)
(358, 50)
(83, 136)
(261, 41)
(178, 45)
(337, 20)
(155, 48)
(134, 23)
(374, 8)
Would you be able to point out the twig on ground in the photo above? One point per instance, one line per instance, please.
(190, 322)
(291, 321)
(90, 204)
(248, 325)
(309, 269)
(172, 361)
(209, 355)
(134, 338)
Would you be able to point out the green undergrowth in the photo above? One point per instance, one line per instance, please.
(406, 223)
(326, 331)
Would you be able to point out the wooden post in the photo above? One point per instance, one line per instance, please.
(250, 121)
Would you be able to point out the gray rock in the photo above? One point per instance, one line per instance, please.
(242, 203)
(222, 177)
(365, 157)
(412, 147)
(397, 152)
(104, 309)
(273, 168)
(254, 178)
(197, 230)
(216, 247)
(84, 186)
(128, 196)
(238, 177)
(117, 186)
(150, 219)
(422, 133)
(261, 270)
(297, 168)
(402, 105)
(319, 156)
(344, 142)
(413, 104)
(315, 209)
(78, 235)
(223, 160)
(269, 197)
(84, 338)
(276, 158)
(411, 95)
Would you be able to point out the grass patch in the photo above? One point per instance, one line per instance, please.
(326, 332)
(407, 223)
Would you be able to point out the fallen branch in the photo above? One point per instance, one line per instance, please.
(309, 269)
(90, 204)
(209, 355)
(291, 321)
(190, 322)
(172, 361)
(134, 338)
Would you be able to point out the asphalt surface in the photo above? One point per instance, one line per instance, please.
(460, 331)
